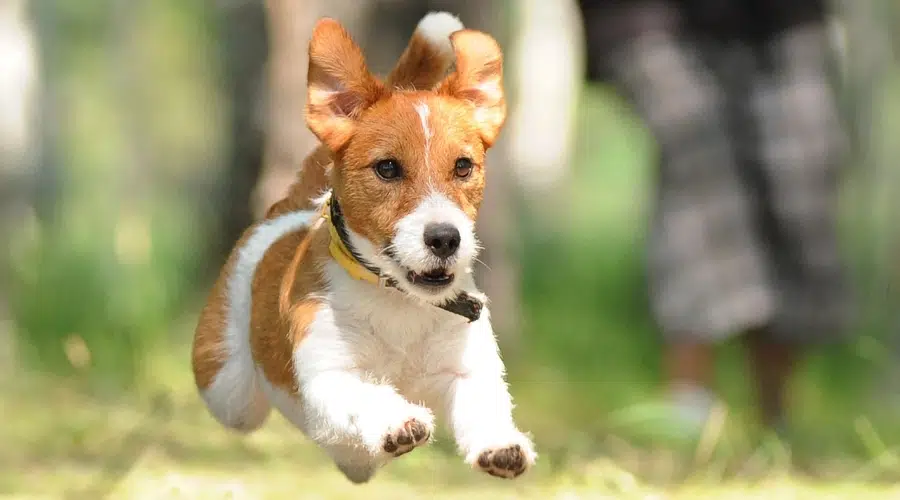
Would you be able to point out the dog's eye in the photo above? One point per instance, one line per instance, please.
(388, 170)
(463, 168)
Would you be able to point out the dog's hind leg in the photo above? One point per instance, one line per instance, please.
(225, 370)
(357, 466)
(224, 373)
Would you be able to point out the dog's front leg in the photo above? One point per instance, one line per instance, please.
(360, 422)
(480, 408)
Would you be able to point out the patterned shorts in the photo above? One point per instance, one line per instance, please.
(744, 227)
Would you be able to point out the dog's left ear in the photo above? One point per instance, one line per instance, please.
(478, 80)
(340, 85)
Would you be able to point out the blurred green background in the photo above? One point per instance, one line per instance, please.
(110, 239)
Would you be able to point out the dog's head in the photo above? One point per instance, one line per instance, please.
(409, 169)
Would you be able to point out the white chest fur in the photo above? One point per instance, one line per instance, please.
(393, 337)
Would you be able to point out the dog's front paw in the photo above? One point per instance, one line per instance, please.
(394, 430)
(406, 437)
(508, 461)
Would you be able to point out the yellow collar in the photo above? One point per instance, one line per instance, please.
(342, 254)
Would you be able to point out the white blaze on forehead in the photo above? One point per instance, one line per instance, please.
(424, 112)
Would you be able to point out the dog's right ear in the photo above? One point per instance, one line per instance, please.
(478, 80)
(339, 85)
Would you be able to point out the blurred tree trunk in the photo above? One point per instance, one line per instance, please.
(48, 163)
(263, 45)
(867, 42)
(18, 106)
(866, 87)
(546, 70)
(287, 141)
(244, 50)
(18, 96)
(263, 48)
(134, 174)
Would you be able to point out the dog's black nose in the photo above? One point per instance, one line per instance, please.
(442, 239)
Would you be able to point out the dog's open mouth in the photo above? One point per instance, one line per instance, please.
(436, 278)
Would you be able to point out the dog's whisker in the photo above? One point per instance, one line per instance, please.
(479, 261)
(386, 249)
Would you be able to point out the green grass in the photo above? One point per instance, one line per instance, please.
(159, 442)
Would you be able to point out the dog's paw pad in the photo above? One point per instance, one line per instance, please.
(507, 462)
(405, 438)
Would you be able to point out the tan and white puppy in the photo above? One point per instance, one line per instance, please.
(355, 314)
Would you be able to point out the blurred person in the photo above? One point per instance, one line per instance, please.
(743, 238)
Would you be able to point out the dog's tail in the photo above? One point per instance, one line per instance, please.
(428, 55)
(424, 63)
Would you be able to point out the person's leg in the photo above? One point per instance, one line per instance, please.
(800, 147)
(772, 364)
(707, 278)
(689, 363)
(689, 376)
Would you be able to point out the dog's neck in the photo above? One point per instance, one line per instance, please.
(347, 257)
